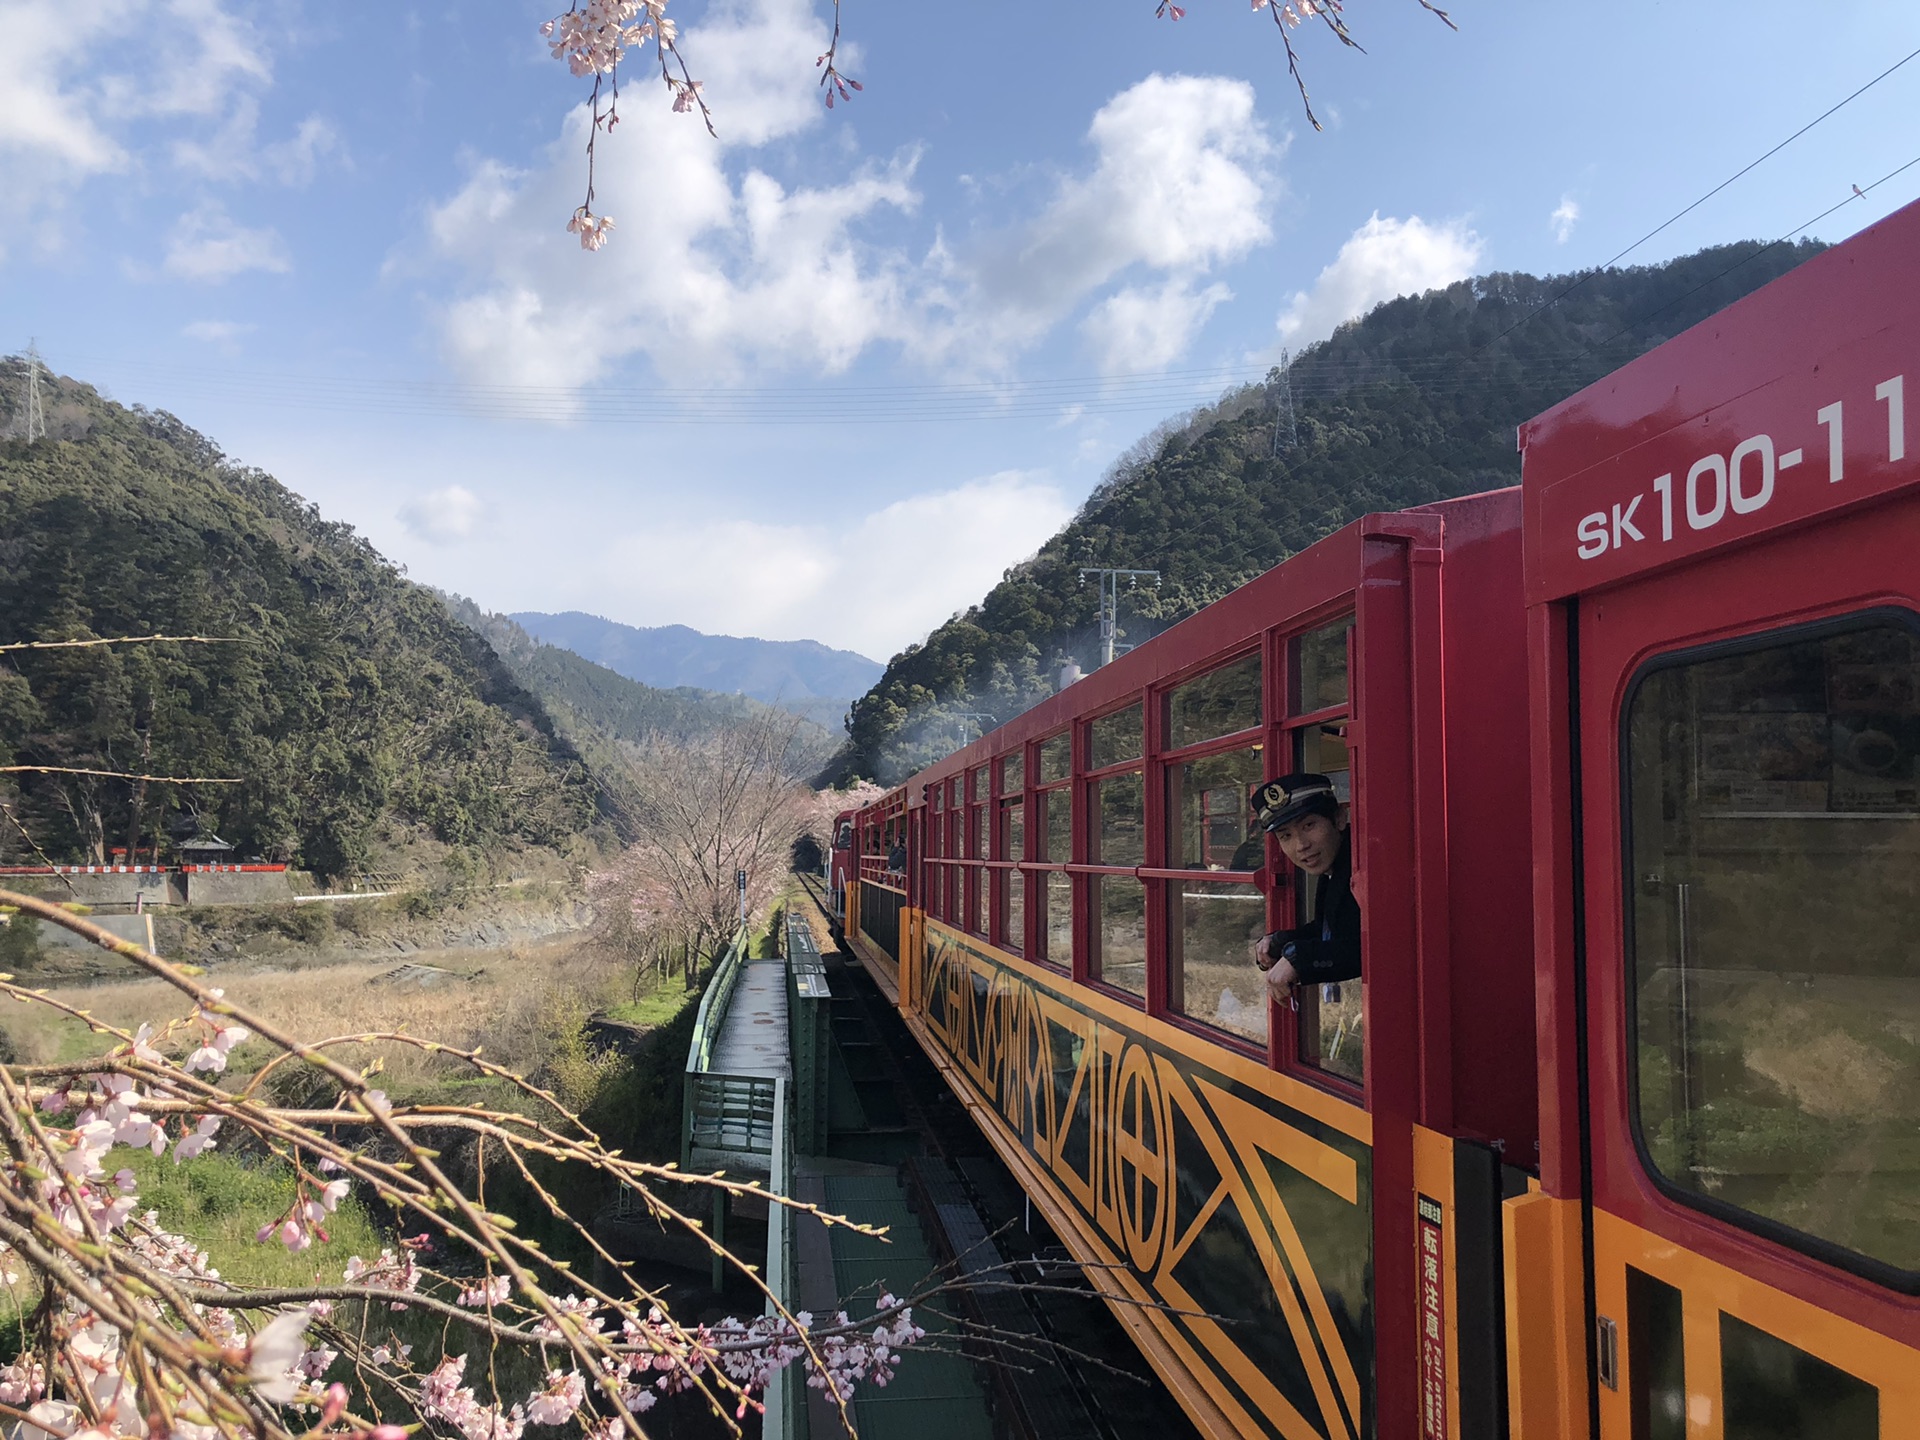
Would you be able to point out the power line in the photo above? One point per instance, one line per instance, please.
(1856, 194)
(1689, 209)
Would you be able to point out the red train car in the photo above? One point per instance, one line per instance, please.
(1069, 942)
(1620, 1135)
(1723, 583)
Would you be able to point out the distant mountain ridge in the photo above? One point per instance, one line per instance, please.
(595, 707)
(668, 656)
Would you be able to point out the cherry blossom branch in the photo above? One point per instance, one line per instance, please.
(831, 80)
(1288, 15)
(133, 1323)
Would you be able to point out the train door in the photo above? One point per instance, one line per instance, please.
(1726, 531)
(1753, 934)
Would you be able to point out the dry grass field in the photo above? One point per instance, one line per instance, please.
(523, 1006)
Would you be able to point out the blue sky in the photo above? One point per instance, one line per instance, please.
(916, 328)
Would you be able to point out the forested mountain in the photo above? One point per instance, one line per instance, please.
(360, 722)
(787, 672)
(1417, 401)
(593, 704)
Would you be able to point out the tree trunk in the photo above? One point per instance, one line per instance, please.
(140, 794)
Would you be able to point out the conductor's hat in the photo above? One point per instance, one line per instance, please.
(1281, 802)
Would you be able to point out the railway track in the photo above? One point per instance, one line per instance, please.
(1086, 1380)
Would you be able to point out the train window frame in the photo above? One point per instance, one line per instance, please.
(1770, 636)
(1291, 729)
(933, 868)
(1162, 872)
(1037, 874)
(1087, 868)
(1007, 878)
(953, 881)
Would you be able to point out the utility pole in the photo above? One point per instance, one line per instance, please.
(1110, 603)
(36, 421)
(1286, 433)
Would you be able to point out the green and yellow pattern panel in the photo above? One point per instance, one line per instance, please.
(1231, 1205)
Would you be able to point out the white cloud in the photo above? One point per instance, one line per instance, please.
(707, 271)
(1181, 184)
(445, 516)
(234, 151)
(1381, 260)
(208, 245)
(716, 267)
(824, 587)
(224, 334)
(1564, 218)
(89, 90)
(1143, 328)
(294, 160)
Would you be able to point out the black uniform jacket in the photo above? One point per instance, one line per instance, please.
(1328, 949)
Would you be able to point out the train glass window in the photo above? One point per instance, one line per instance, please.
(977, 782)
(1012, 883)
(1321, 668)
(1056, 930)
(1059, 837)
(1221, 702)
(1210, 826)
(1120, 939)
(979, 885)
(1120, 826)
(1333, 1034)
(1053, 890)
(1115, 739)
(1773, 831)
(1013, 771)
(1056, 759)
(1210, 926)
(1332, 1018)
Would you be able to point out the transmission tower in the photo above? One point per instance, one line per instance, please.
(1110, 603)
(1286, 434)
(36, 422)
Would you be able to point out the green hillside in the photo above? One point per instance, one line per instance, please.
(364, 725)
(1416, 402)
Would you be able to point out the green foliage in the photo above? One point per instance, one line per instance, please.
(354, 713)
(220, 1201)
(19, 944)
(660, 1005)
(1416, 402)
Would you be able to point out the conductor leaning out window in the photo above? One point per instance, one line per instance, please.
(1304, 815)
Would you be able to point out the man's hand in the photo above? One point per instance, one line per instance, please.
(1281, 980)
(1262, 955)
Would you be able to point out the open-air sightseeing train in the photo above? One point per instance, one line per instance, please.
(1620, 1133)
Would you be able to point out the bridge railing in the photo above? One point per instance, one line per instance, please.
(726, 1121)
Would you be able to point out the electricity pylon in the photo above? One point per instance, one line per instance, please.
(36, 421)
(1286, 433)
(1110, 601)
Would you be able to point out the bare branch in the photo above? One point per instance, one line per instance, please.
(116, 775)
(129, 640)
